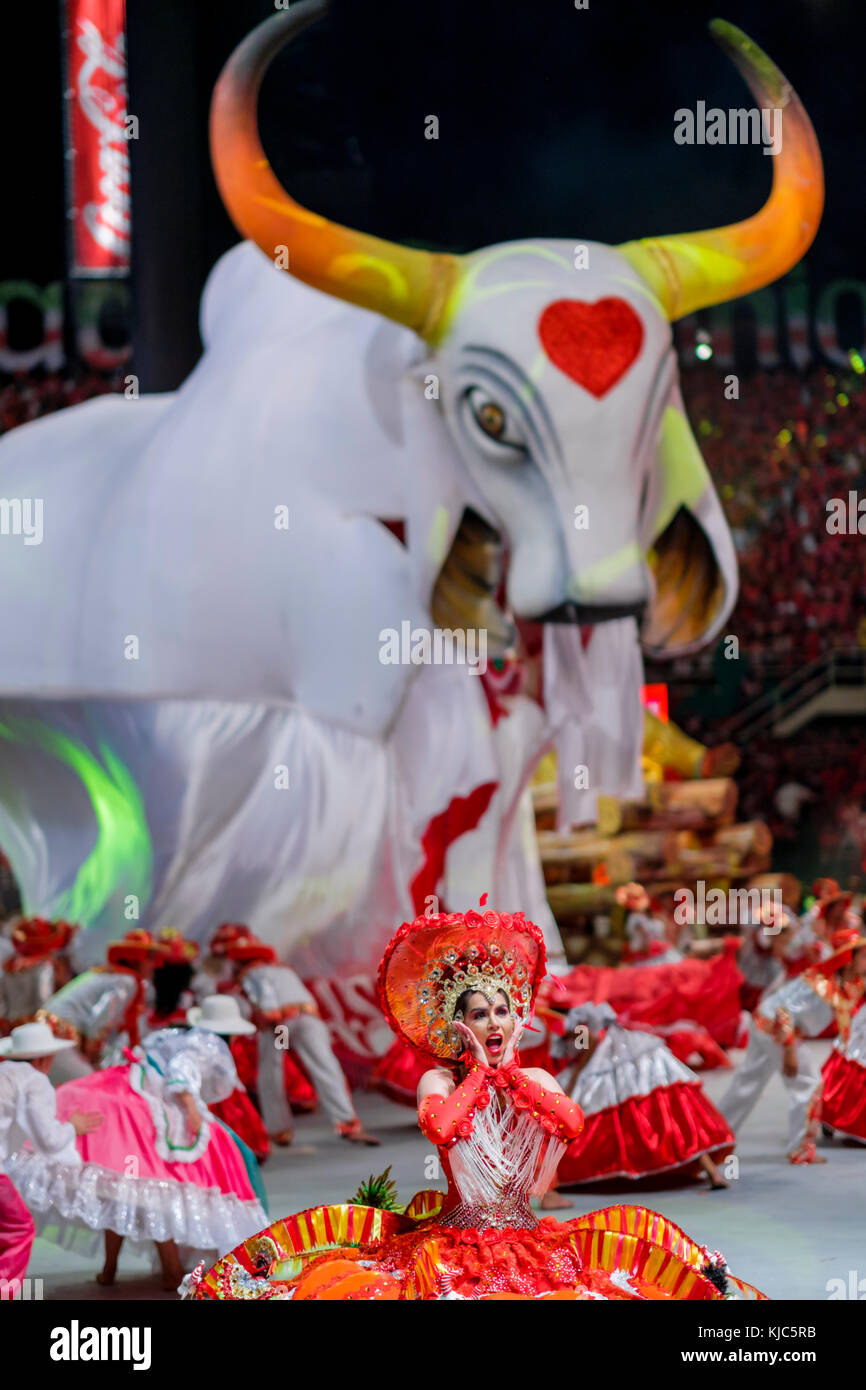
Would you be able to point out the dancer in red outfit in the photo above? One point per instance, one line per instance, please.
(460, 990)
(645, 1112)
(802, 1008)
(843, 1102)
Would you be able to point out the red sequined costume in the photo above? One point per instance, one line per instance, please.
(843, 1102)
(500, 1133)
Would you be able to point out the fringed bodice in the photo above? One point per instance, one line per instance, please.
(507, 1158)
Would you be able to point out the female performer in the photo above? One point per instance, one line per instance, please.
(460, 989)
(645, 1111)
(161, 1167)
(843, 1100)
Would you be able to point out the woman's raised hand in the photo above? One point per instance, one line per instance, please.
(513, 1042)
(473, 1046)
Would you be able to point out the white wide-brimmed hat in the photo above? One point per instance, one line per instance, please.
(31, 1040)
(219, 1013)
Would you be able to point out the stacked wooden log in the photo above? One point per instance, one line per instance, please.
(678, 834)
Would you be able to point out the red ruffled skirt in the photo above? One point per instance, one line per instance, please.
(843, 1104)
(397, 1073)
(706, 992)
(667, 1129)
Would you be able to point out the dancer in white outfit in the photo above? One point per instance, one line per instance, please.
(278, 1000)
(28, 1111)
(802, 1008)
(100, 1011)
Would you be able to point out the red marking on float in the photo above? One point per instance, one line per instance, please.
(594, 344)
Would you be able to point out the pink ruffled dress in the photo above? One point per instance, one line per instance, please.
(144, 1174)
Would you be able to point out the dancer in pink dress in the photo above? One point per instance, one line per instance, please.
(161, 1167)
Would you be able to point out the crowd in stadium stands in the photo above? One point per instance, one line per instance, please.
(777, 455)
(27, 397)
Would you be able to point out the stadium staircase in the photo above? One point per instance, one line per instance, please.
(834, 686)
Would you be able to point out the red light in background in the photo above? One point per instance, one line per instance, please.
(655, 699)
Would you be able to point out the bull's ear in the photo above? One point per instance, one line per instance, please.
(690, 551)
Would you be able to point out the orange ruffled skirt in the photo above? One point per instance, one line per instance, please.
(350, 1252)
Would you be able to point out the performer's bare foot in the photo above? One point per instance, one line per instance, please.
(362, 1137)
(554, 1201)
(169, 1260)
(717, 1182)
(284, 1138)
(356, 1134)
(107, 1274)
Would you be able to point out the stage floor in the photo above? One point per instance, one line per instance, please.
(788, 1230)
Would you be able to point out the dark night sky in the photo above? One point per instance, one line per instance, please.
(553, 121)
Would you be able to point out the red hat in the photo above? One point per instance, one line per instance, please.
(251, 951)
(135, 948)
(633, 896)
(830, 900)
(36, 936)
(225, 934)
(430, 962)
(845, 941)
(173, 949)
(823, 887)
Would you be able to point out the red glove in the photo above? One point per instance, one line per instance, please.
(554, 1111)
(445, 1119)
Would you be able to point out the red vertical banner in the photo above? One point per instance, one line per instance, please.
(97, 149)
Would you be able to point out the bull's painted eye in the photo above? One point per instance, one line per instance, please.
(490, 417)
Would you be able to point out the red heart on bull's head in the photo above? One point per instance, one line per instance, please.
(594, 344)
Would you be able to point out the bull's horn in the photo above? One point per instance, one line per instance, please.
(404, 284)
(691, 271)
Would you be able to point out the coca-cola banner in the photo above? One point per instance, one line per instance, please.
(97, 150)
